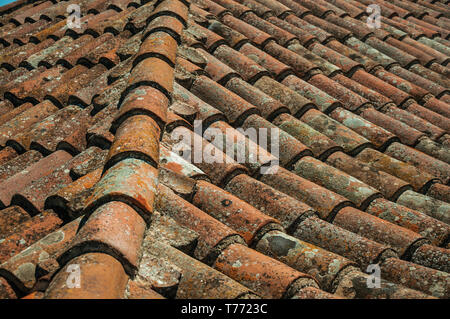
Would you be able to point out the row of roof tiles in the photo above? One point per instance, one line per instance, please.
(92, 176)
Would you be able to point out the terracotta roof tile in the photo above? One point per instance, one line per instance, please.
(347, 65)
(214, 236)
(378, 136)
(116, 229)
(12, 6)
(349, 7)
(440, 57)
(296, 103)
(49, 32)
(298, 9)
(7, 154)
(25, 269)
(69, 201)
(275, 67)
(113, 187)
(300, 65)
(159, 274)
(99, 134)
(30, 90)
(6, 106)
(33, 60)
(313, 293)
(28, 233)
(304, 257)
(111, 94)
(333, 179)
(339, 32)
(131, 144)
(234, 107)
(307, 192)
(20, 19)
(434, 44)
(391, 187)
(244, 149)
(24, 178)
(282, 37)
(103, 121)
(425, 84)
(350, 286)
(188, 66)
(46, 135)
(350, 141)
(34, 196)
(432, 257)
(60, 95)
(136, 290)
(17, 164)
(366, 54)
(23, 34)
(249, 222)
(434, 149)
(257, 36)
(316, 8)
(105, 53)
(103, 269)
(419, 179)
(322, 35)
(432, 207)
(279, 9)
(137, 103)
(194, 272)
(204, 111)
(51, 13)
(140, 75)
(267, 105)
(409, 155)
(358, 52)
(12, 217)
(432, 76)
(6, 291)
(417, 277)
(218, 71)
(413, 90)
(430, 116)
(264, 275)
(211, 6)
(177, 164)
(158, 44)
(13, 77)
(439, 191)
(444, 140)
(207, 38)
(404, 241)
(359, 249)
(388, 31)
(171, 231)
(303, 37)
(236, 8)
(414, 122)
(320, 144)
(8, 115)
(326, 67)
(290, 148)
(442, 70)
(393, 121)
(272, 202)
(430, 228)
(407, 23)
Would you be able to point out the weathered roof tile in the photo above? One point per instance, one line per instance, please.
(105, 121)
